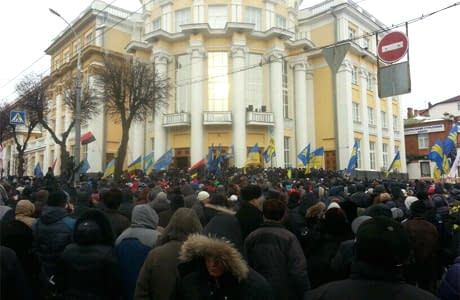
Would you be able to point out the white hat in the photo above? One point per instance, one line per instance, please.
(203, 195)
(409, 200)
(233, 198)
(333, 205)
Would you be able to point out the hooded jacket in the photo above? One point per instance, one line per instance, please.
(237, 282)
(157, 278)
(134, 244)
(52, 232)
(24, 212)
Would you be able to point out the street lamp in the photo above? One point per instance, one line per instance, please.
(77, 104)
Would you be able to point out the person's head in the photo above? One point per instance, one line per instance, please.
(203, 196)
(251, 193)
(183, 222)
(215, 266)
(177, 201)
(112, 198)
(93, 227)
(274, 210)
(219, 199)
(383, 243)
(57, 198)
(144, 215)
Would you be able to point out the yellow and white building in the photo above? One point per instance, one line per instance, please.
(241, 71)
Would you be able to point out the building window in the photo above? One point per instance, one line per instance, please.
(254, 16)
(217, 16)
(183, 83)
(218, 81)
(254, 78)
(425, 170)
(89, 38)
(66, 57)
(359, 162)
(182, 17)
(385, 155)
(366, 42)
(458, 106)
(351, 33)
(57, 63)
(370, 116)
(77, 47)
(354, 75)
(287, 163)
(156, 24)
(395, 123)
(285, 91)
(355, 111)
(423, 140)
(384, 119)
(369, 83)
(280, 21)
(372, 155)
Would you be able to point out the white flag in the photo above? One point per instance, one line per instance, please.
(453, 169)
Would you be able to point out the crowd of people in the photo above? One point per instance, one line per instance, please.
(240, 234)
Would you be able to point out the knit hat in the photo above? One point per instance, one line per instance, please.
(382, 242)
(203, 195)
(357, 222)
(378, 210)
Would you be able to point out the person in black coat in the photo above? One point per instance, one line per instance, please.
(249, 215)
(11, 276)
(88, 268)
(382, 246)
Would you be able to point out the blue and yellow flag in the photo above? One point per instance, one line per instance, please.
(253, 156)
(269, 151)
(450, 143)
(437, 155)
(148, 161)
(135, 165)
(109, 169)
(353, 158)
(38, 170)
(304, 155)
(316, 159)
(395, 164)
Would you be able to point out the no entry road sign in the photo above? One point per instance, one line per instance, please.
(392, 47)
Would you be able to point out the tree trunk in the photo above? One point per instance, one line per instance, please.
(66, 173)
(121, 155)
(20, 164)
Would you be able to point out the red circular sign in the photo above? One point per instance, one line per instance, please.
(392, 47)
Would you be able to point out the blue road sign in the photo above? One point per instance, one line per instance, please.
(17, 117)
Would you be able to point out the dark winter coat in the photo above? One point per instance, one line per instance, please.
(119, 222)
(52, 232)
(449, 289)
(237, 282)
(250, 218)
(276, 254)
(365, 283)
(11, 276)
(210, 210)
(157, 278)
(88, 268)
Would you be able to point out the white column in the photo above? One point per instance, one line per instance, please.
(97, 149)
(197, 53)
(365, 121)
(344, 120)
(137, 141)
(378, 144)
(311, 117)
(58, 131)
(402, 141)
(161, 59)
(276, 98)
(237, 11)
(198, 11)
(391, 131)
(239, 108)
(300, 96)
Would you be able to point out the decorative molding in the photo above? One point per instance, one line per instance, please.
(161, 56)
(197, 52)
(275, 53)
(238, 51)
(299, 63)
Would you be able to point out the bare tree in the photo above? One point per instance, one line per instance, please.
(34, 89)
(21, 134)
(132, 90)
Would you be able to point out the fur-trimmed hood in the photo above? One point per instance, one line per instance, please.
(199, 246)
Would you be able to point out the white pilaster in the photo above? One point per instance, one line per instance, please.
(391, 132)
(239, 108)
(237, 11)
(198, 11)
(97, 149)
(378, 144)
(365, 121)
(311, 120)
(161, 59)
(276, 97)
(300, 96)
(269, 17)
(58, 131)
(197, 53)
(137, 141)
(345, 138)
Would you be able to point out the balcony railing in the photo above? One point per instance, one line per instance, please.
(36, 144)
(217, 118)
(259, 118)
(176, 119)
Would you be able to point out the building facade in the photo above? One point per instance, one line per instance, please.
(242, 72)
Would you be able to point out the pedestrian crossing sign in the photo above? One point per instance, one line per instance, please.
(17, 117)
